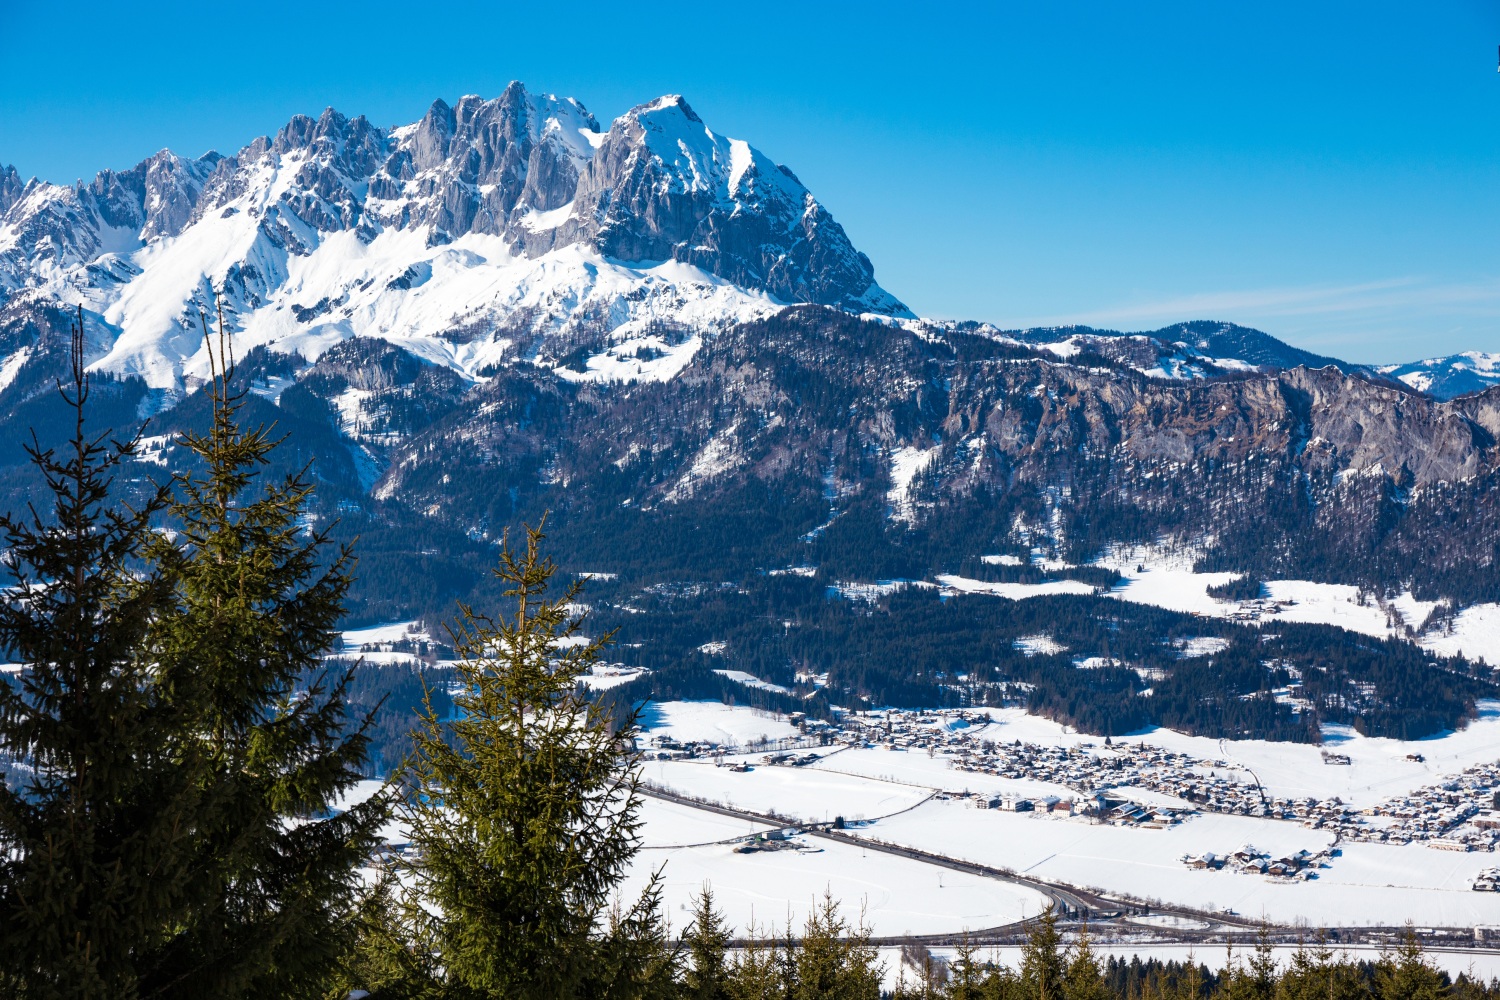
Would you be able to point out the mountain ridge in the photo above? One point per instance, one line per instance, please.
(504, 310)
(548, 230)
(644, 236)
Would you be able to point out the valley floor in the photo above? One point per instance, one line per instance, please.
(911, 799)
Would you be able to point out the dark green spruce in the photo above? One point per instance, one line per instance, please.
(523, 810)
(257, 600)
(97, 803)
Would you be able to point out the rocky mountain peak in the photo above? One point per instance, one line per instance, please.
(11, 186)
(582, 234)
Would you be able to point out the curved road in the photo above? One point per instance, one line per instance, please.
(1097, 907)
(1104, 914)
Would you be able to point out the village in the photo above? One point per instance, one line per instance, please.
(1108, 778)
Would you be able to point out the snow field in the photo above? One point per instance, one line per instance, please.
(710, 721)
(1475, 634)
(801, 793)
(906, 464)
(1383, 885)
(1168, 581)
(670, 825)
(749, 680)
(768, 888)
(398, 288)
(1015, 591)
(389, 632)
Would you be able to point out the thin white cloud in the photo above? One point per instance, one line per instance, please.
(1479, 299)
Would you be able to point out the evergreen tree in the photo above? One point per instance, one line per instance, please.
(930, 974)
(635, 961)
(835, 961)
(1405, 974)
(523, 813)
(1084, 979)
(1259, 976)
(1313, 974)
(1002, 983)
(1190, 985)
(256, 603)
(94, 807)
(707, 943)
(1042, 968)
(966, 973)
(757, 973)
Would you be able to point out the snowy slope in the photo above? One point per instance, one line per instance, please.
(1445, 378)
(487, 232)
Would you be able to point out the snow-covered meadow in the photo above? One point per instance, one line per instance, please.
(897, 792)
(1164, 577)
(768, 888)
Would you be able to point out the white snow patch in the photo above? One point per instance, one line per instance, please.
(603, 676)
(906, 464)
(11, 366)
(1475, 633)
(1039, 645)
(1201, 645)
(154, 449)
(872, 592)
(1015, 591)
(751, 681)
(714, 722)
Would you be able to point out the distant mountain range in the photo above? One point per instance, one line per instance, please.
(487, 231)
(514, 228)
(662, 337)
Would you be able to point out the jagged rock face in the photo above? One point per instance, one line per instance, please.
(535, 233)
(10, 188)
(810, 398)
(1323, 420)
(155, 198)
(662, 186)
(482, 166)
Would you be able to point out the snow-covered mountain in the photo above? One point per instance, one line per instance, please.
(1445, 378)
(486, 232)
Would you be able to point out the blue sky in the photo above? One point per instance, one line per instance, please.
(1328, 172)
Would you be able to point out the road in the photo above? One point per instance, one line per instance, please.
(1106, 917)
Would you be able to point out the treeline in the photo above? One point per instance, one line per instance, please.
(830, 958)
(911, 648)
(1048, 968)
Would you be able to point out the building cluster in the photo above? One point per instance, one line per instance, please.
(1249, 860)
(1460, 812)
